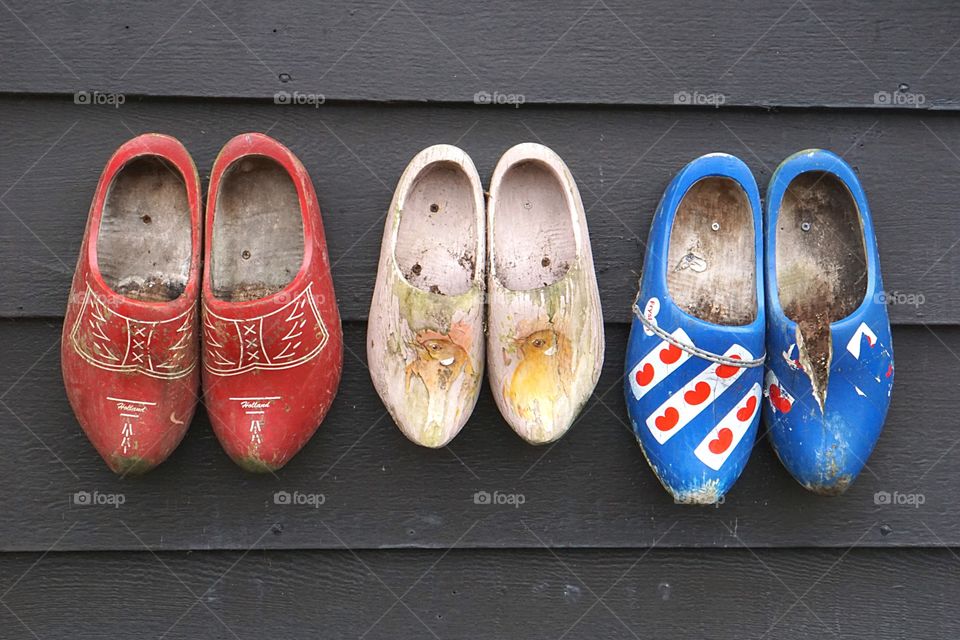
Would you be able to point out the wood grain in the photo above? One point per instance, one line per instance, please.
(618, 594)
(622, 160)
(810, 53)
(591, 489)
(623, 91)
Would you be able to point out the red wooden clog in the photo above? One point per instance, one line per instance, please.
(130, 343)
(273, 346)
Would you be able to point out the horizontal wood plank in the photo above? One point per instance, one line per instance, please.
(796, 594)
(622, 159)
(809, 53)
(361, 477)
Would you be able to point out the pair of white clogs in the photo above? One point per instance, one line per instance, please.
(527, 253)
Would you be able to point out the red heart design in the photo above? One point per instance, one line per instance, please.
(779, 401)
(645, 375)
(668, 420)
(671, 354)
(744, 413)
(722, 442)
(775, 394)
(728, 370)
(698, 394)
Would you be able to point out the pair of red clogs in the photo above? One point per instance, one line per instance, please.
(272, 343)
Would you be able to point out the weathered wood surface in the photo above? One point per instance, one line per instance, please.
(801, 53)
(617, 85)
(592, 489)
(544, 324)
(779, 594)
(54, 150)
(425, 331)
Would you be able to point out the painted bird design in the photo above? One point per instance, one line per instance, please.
(541, 375)
(439, 361)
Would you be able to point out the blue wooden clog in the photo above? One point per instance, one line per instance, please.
(829, 367)
(694, 359)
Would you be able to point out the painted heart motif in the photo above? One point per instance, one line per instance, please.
(698, 394)
(785, 405)
(645, 375)
(668, 420)
(722, 442)
(779, 401)
(671, 354)
(744, 413)
(728, 370)
(775, 396)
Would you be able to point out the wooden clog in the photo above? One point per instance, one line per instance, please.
(830, 366)
(129, 349)
(545, 327)
(272, 342)
(694, 362)
(425, 329)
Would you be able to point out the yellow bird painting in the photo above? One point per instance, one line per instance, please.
(541, 375)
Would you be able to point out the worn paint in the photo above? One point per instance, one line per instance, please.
(129, 349)
(545, 344)
(271, 364)
(425, 347)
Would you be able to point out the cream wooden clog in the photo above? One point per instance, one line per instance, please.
(425, 330)
(545, 327)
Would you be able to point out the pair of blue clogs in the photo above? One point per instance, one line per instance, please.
(736, 313)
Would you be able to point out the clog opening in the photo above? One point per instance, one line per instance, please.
(144, 242)
(821, 257)
(258, 243)
(712, 262)
(436, 248)
(533, 239)
(821, 265)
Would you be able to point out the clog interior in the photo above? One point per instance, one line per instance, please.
(821, 259)
(533, 240)
(143, 245)
(258, 242)
(711, 262)
(820, 264)
(436, 246)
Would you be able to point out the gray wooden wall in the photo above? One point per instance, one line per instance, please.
(624, 92)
